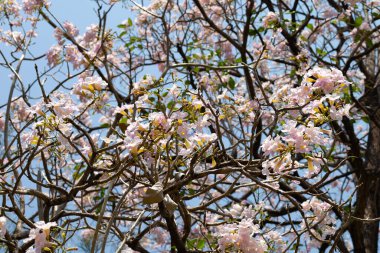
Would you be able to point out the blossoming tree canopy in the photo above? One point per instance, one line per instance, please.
(192, 126)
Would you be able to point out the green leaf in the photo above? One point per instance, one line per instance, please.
(347, 208)
(365, 119)
(201, 244)
(105, 125)
(251, 32)
(77, 175)
(123, 124)
(321, 52)
(190, 243)
(122, 34)
(102, 192)
(310, 26)
(171, 105)
(221, 63)
(358, 21)
(375, 16)
(130, 22)
(78, 166)
(231, 83)
(369, 43)
(293, 73)
(261, 29)
(290, 12)
(123, 120)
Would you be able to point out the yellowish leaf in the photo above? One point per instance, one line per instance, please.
(213, 163)
(310, 164)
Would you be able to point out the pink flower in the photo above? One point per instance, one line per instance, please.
(202, 123)
(143, 84)
(85, 88)
(329, 80)
(183, 130)
(201, 138)
(62, 104)
(321, 217)
(241, 237)
(236, 210)
(269, 19)
(337, 114)
(91, 34)
(179, 115)
(54, 55)
(3, 228)
(70, 29)
(301, 137)
(314, 166)
(11, 7)
(87, 234)
(365, 26)
(271, 146)
(15, 38)
(30, 6)
(319, 208)
(40, 235)
(174, 91)
(21, 110)
(326, 84)
(73, 56)
(159, 119)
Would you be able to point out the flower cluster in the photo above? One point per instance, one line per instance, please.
(85, 88)
(30, 6)
(243, 236)
(318, 100)
(41, 236)
(320, 224)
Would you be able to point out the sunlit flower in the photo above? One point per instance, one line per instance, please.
(40, 235)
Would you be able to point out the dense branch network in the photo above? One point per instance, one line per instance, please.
(193, 126)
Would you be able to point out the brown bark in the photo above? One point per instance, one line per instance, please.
(372, 182)
(365, 235)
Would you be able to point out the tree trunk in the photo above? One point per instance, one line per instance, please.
(372, 170)
(365, 235)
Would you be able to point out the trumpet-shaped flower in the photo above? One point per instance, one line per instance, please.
(40, 235)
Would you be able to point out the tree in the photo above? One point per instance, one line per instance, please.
(193, 126)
